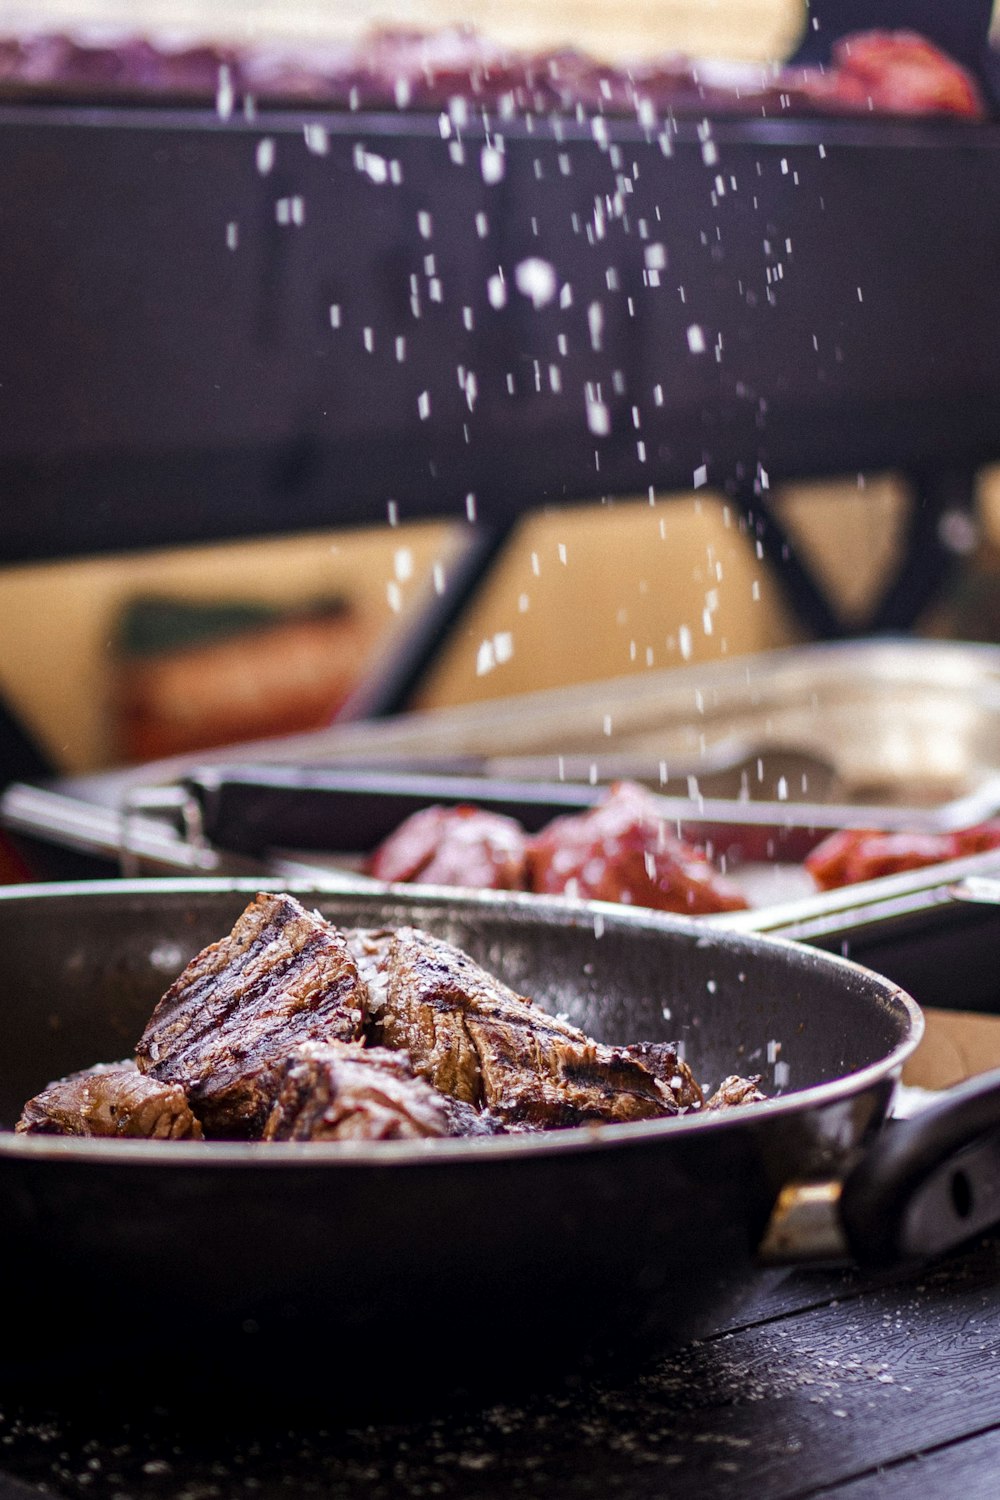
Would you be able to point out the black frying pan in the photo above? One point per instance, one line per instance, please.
(375, 1263)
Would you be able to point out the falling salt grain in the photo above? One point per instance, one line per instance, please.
(224, 97)
(492, 165)
(700, 476)
(265, 155)
(598, 418)
(232, 235)
(696, 339)
(536, 279)
(374, 166)
(496, 291)
(684, 642)
(655, 257)
(424, 405)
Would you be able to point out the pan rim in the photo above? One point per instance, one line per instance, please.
(456, 1152)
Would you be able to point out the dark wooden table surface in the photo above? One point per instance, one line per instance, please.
(832, 1385)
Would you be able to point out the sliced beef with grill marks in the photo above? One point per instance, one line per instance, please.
(340, 1091)
(663, 1060)
(472, 1037)
(733, 1092)
(227, 1024)
(112, 1099)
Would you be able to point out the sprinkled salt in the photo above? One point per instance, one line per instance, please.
(536, 279)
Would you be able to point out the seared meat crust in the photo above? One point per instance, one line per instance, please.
(225, 1026)
(472, 1037)
(662, 1060)
(289, 1029)
(735, 1091)
(112, 1099)
(341, 1091)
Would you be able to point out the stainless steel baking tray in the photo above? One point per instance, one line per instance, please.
(757, 758)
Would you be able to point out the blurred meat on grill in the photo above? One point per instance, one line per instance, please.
(456, 68)
(620, 850)
(623, 851)
(455, 846)
(852, 855)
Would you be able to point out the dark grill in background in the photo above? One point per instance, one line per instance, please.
(170, 369)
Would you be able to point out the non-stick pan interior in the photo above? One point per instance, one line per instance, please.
(82, 967)
(337, 1264)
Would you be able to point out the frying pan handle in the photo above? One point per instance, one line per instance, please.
(928, 1183)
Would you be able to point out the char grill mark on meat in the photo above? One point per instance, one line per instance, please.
(665, 1063)
(223, 1029)
(472, 1037)
(343, 1091)
(112, 1099)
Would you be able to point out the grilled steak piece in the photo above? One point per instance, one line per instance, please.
(113, 1099)
(341, 1091)
(663, 1060)
(472, 1037)
(734, 1091)
(225, 1026)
